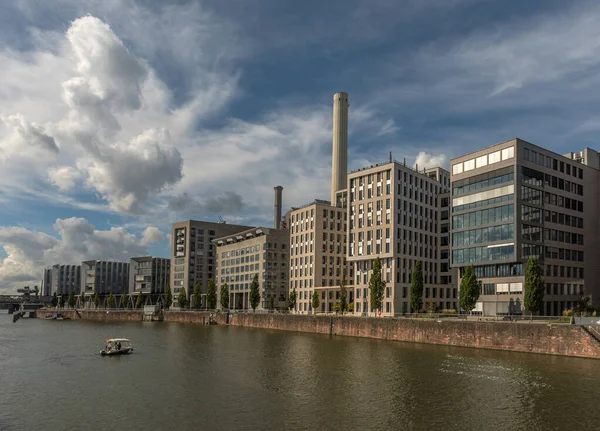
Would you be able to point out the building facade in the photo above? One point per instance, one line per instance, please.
(148, 275)
(318, 246)
(516, 200)
(394, 214)
(62, 280)
(104, 277)
(193, 258)
(47, 283)
(257, 251)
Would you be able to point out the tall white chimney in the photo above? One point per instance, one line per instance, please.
(339, 158)
(277, 206)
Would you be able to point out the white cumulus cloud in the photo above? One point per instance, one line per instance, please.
(29, 252)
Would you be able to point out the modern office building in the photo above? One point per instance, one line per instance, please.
(394, 214)
(258, 251)
(148, 275)
(318, 254)
(62, 280)
(193, 258)
(515, 200)
(104, 277)
(47, 283)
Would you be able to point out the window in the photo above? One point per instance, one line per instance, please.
(494, 157)
(481, 161)
(456, 169)
(469, 165)
(508, 153)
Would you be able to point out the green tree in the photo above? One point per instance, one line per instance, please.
(110, 301)
(71, 300)
(168, 296)
(376, 286)
(125, 300)
(61, 301)
(224, 296)
(197, 298)
(211, 295)
(254, 293)
(96, 300)
(182, 298)
(351, 307)
(534, 287)
(315, 302)
(292, 299)
(470, 288)
(54, 300)
(343, 296)
(416, 289)
(272, 302)
(140, 300)
(82, 300)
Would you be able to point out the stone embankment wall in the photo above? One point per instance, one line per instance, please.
(101, 315)
(553, 339)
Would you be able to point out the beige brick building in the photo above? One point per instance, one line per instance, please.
(317, 233)
(515, 200)
(193, 255)
(261, 251)
(396, 213)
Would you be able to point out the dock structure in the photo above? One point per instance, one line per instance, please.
(152, 313)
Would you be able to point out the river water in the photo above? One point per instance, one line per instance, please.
(191, 377)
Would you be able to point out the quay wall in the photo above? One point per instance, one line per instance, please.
(544, 338)
(553, 339)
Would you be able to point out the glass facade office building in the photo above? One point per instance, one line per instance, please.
(515, 200)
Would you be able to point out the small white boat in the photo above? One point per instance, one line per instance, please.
(117, 346)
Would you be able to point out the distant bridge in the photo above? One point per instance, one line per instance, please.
(13, 303)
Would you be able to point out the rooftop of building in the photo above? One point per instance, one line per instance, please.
(245, 235)
(517, 140)
(315, 202)
(415, 169)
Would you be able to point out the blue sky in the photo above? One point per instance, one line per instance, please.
(119, 117)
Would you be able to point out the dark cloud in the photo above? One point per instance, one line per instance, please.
(228, 203)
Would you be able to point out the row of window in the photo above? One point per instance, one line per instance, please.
(498, 270)
(483, 217)
(483, 181)
(483, 254)
(564, 289)
(552, 163)
(564, 219)
(564, 254)
(563, 202)
(501, 288)
(564, 271)
(486, 234)
(486, 159)
(561, 236)
(484, 202)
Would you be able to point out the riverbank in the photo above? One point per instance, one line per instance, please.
(550, 339)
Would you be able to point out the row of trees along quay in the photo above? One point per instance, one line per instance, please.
(470, 290)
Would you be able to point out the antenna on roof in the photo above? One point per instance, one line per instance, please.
(221, 220)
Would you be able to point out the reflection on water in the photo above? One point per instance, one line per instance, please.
(189, 377)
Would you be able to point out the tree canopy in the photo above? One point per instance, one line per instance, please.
(224, 296)
(534, 287)
(211, 295)
(470, 288)
(254, 293)
(416, 289)
(376, 286)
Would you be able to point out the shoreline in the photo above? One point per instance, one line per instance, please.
(543, 338)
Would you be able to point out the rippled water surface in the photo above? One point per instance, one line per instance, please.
(188, 377)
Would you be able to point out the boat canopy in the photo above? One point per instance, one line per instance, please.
(122, 340)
